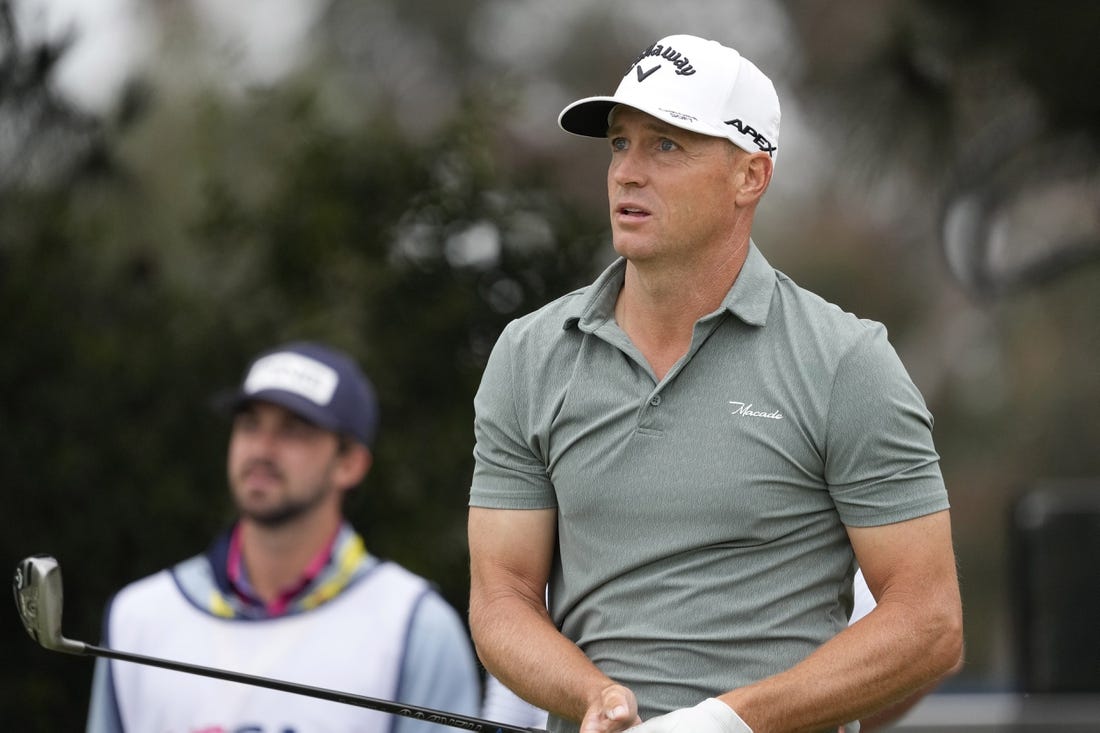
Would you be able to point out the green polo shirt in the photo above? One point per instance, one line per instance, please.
(701, 519)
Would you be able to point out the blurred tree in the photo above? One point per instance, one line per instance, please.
(978, 108)
(966, 145)
(384, 196)
(142, 289)
(44, 140)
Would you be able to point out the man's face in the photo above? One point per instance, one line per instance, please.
(281, 466)
(671, 191)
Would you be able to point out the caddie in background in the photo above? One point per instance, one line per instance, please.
(289, 591)
(696, 454)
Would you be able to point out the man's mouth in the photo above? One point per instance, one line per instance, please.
(632, 212)
(261, 472)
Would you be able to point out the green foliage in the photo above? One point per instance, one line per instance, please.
(134, 306)
(141, 267)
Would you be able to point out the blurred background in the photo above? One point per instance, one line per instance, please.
(186, 182)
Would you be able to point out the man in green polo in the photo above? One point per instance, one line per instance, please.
(695, 454)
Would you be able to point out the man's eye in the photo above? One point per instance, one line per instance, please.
(245, 421)
(618, 143)
(666, 145)
(299, 429)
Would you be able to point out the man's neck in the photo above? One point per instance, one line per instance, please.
(660, 303)
(276, 558)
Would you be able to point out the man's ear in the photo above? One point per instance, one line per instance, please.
(755, 172)
(353, 464)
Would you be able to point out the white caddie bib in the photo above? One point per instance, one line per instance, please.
(349, 644)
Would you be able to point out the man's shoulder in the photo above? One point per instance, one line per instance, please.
(551, 317)
(152, 583)
(141, 597)
(538, 337)
(814, 312)
(389, 571)
(429, 605)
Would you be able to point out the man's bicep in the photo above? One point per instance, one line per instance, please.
(511, 551)
(910, 568)
(909, 559)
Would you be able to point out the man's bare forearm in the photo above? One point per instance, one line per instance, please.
(890, 655)
(516, 642)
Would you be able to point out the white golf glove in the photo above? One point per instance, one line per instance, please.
(710, 716)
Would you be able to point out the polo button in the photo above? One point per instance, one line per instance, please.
(656, 400)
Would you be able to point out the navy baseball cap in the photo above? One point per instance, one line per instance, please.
(316, 382)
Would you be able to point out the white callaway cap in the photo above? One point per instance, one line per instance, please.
(695, 84)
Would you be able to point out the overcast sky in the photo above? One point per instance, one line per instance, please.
(109, 40)
(114, 37)
(257, 41)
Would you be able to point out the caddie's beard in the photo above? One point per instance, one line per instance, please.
(284, 514)
(286, 511)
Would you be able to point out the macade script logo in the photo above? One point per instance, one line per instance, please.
(744, 409)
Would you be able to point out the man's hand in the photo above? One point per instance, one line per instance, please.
(710, 716)
(615, 710)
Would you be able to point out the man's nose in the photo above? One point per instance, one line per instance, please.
(260, 441)
(628, 168)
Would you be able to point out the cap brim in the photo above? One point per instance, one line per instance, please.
(591, 117)
(230, 401)
(587, 116)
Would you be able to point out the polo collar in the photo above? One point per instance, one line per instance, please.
(338, 565)
(749, 299)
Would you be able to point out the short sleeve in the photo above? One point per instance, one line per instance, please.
(881, 465)
(509, 473)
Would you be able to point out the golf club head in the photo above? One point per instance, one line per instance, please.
(37, 587)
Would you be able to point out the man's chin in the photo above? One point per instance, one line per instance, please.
(634, 247)
(271, 517)
(270, 510)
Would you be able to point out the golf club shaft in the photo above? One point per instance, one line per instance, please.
(453, 720)
(38, 592)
